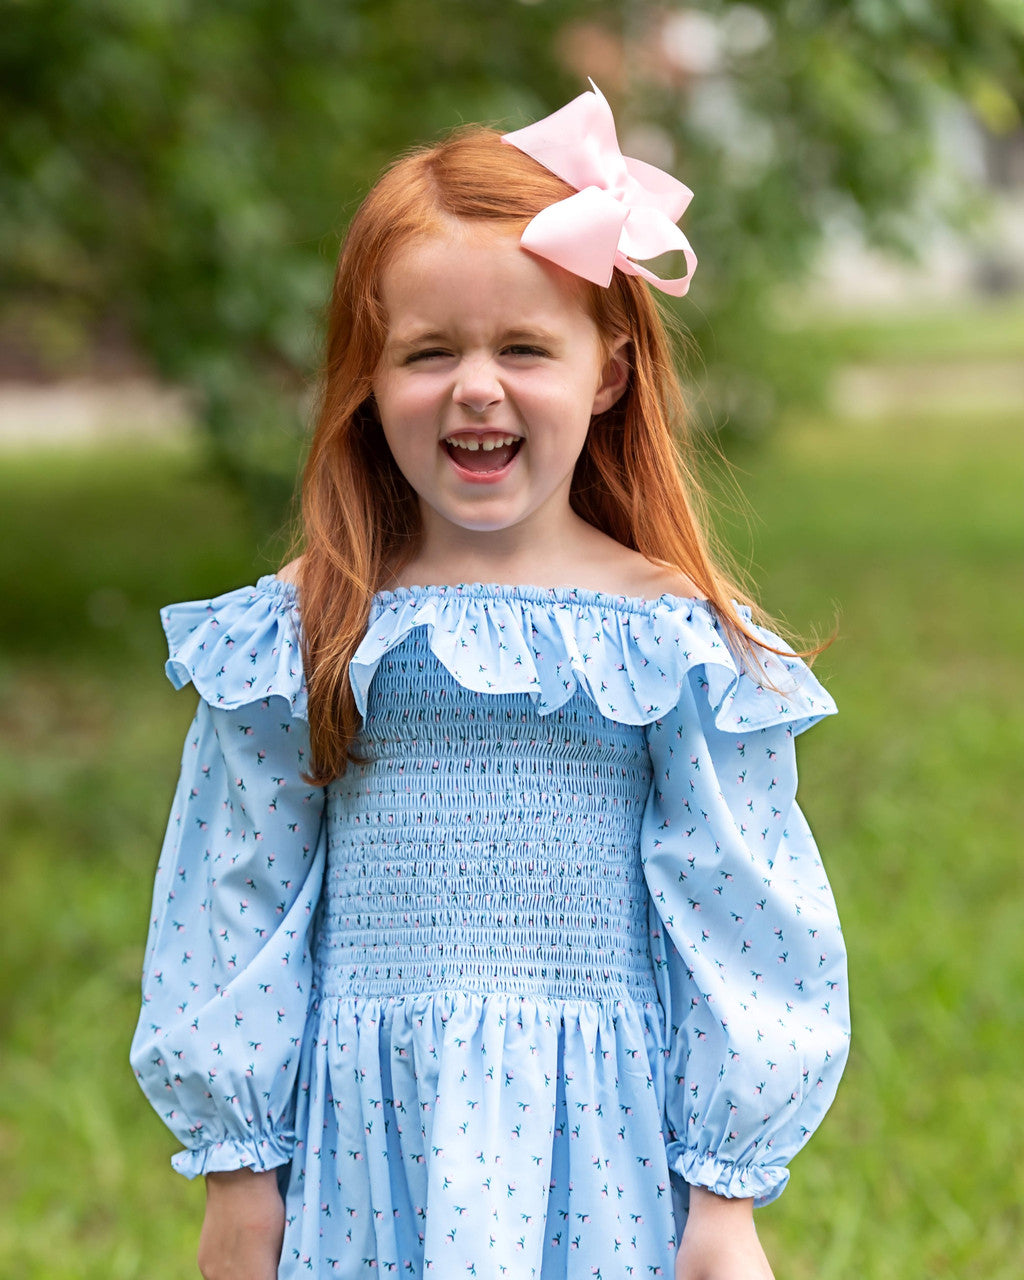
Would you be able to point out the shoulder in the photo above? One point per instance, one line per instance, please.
(290, 572)
(618, 570)
(658, 579)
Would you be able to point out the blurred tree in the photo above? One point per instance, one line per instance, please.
(176, 173)
(789, 115)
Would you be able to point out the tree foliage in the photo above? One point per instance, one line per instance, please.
(178, 173)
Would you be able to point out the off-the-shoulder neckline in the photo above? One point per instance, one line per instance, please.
(630, 654)
(526, 592)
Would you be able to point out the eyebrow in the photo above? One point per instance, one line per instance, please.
(535, 334)
(414, 338)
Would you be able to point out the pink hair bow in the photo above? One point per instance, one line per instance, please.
(623, 208)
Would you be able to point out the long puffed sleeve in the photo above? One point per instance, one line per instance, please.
(748, 953)
(228, 965)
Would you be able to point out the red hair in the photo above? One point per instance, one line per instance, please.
(361, 520)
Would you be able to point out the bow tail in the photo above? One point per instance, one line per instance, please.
(648, 235)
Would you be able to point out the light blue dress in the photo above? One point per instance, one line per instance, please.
(560, 946)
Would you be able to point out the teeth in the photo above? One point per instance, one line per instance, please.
(488, 445)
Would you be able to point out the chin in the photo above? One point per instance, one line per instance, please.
(484, 522)
(487, 526)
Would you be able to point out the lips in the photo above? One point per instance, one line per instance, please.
(482, 452)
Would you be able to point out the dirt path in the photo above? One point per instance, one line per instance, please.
(36, 415)
(958, 387)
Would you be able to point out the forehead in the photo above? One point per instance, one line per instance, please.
(474, 267)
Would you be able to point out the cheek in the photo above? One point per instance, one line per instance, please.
(412, 441)
(403, 407)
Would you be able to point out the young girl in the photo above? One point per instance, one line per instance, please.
(493, 945)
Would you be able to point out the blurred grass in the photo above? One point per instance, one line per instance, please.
(89, 735)
(917, 534)
(913, 533)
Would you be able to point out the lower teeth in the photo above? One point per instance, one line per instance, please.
(483, 460)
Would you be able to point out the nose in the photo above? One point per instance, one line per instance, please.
(478, 386)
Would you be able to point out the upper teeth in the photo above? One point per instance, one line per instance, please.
(491, 442)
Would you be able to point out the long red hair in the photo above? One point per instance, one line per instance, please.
(361, 519)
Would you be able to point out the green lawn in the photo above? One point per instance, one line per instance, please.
(909, 537)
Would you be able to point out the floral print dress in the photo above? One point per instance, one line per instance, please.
(559, 947)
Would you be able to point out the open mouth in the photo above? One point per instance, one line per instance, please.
(482, 453)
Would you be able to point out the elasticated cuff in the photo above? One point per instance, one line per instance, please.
(267, 1151)
(761, 1183)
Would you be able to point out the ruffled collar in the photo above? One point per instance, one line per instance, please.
(629, 655)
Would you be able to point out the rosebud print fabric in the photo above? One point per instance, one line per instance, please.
(560, 946)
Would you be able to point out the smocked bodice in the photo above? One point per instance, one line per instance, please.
(484, 846)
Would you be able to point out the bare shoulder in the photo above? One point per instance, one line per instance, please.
(629, 573)
(666, 579)
(290, 572)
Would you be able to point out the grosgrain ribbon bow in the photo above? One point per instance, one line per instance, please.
(623, 208)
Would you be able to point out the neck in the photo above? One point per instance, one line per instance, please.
(513, 555)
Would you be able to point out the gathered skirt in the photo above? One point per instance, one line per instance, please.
(463, 1133)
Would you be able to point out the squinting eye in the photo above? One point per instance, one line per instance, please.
(521, 349)
(432, 353)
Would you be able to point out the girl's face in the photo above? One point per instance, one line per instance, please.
(489, 376)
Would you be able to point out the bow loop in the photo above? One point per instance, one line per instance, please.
(661, 190)
(554, 234)
(623, 208)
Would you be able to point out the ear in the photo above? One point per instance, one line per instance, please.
(614, 375)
